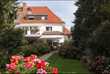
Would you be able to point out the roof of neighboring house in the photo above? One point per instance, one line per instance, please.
(53, 33)
(66, 31)
(52, 18)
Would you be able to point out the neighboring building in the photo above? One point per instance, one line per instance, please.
(41, 22)
(67, 33)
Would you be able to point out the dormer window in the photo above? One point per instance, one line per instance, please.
(43, 17)
(37, 17)
(31, 17)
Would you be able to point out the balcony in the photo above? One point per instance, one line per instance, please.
(30, 33)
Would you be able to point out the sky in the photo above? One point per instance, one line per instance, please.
(63, 9)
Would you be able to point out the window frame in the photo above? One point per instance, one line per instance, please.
(48, 28)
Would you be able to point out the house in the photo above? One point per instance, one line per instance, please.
(41, 22)
(67, 33)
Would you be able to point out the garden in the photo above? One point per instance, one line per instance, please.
(26, 59)
(87, 52)
(65, 65)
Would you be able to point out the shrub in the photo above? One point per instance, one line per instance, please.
(69, 51)
(10, 38)
(37, 46)
(26, 50)
(41, 45)
(100, 65)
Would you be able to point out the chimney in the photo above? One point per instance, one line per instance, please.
(24, 4)
(25, 7)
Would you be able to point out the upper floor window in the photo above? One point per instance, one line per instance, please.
(34, 29)
(49, 28)
(37, 17)
(43, 18)
(31, 17)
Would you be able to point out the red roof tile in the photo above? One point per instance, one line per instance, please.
(52, 18)
(66, 31)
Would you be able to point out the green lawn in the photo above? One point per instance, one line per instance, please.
(67, 65)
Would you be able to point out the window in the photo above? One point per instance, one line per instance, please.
(31, 17)
(49, 28)
(37, 17)
(25, 29)
(33, 29)
(43, 18)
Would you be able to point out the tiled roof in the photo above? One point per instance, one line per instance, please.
(66, 31)
(52, 18)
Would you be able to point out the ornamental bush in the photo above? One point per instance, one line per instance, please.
(29, 65)
(100, 65)
(69, 51)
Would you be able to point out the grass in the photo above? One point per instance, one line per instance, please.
(69, 66)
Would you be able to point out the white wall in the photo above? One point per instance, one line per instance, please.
(42, 27)
(57, 28)
(54, 28)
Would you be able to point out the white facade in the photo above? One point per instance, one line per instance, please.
(41, 29)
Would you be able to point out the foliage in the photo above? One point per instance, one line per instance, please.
(91, 29)
(100, 65)
(37, 46)
(10, 37)
(26, 50)
(69, 51)
(41, 45)
(7, 30)
(7, 13)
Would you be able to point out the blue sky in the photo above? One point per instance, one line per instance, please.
(63, 9)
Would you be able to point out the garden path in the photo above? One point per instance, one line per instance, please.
(46, 56)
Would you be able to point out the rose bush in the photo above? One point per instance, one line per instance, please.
(28, 65)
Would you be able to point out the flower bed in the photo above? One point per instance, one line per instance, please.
(100, 65)
(29, 65)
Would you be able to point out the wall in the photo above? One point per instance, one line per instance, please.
(42, 27)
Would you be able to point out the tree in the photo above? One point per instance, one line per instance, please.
(92, 19)
(10, 37)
